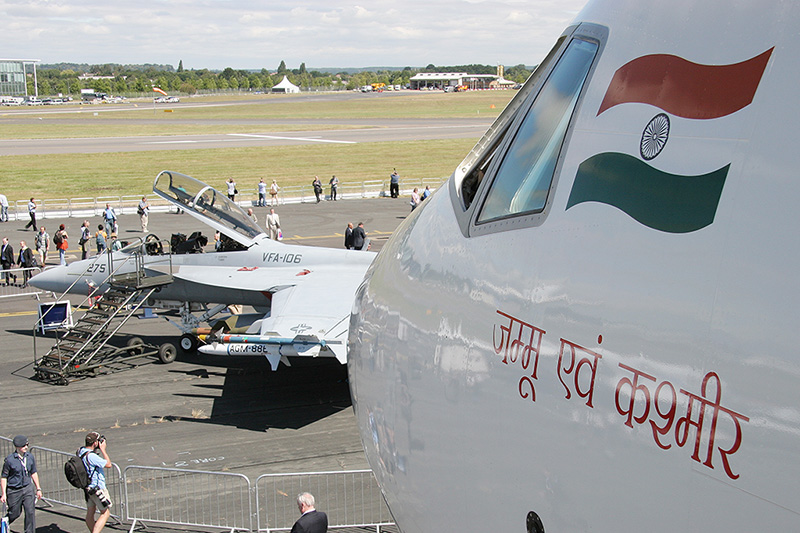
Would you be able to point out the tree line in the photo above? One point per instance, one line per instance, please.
(131, 80)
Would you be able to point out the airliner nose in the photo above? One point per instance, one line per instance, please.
(52, 279)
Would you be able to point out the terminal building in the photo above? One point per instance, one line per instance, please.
(13, 77)
(440, 80)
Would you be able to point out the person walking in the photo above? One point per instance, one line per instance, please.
(144, 213)
(7, 261)
(96, 460)
(334, 183)
(19, 484)
(32, 213)
(317, 184)
(42, 244)
(84, 239)
(273, 224)
(232, 190)
(25, 262)
(60, 240)
(262, 193)
(311, 520)
(394, 184)
(273, 192)
(3, 208)
(110, 219)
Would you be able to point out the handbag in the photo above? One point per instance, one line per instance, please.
(4, 520)
(280, 235)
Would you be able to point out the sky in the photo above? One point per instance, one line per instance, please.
(254, 34)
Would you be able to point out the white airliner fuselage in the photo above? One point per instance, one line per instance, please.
(593, 326)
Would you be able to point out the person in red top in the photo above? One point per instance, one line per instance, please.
(62, 243)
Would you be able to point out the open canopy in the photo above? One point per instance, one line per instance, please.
(207, 204)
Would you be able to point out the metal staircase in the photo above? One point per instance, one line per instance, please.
(84, 350)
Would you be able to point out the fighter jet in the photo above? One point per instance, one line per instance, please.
(305, 292)
(592, 327)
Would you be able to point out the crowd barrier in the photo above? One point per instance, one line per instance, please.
(187, 498)
(350, 499)
(219, 500)
(127, 204)
(15, 288)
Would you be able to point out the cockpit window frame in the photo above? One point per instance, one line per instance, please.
(500, 136)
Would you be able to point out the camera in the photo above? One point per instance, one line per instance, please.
(101, 438)
(101, 494)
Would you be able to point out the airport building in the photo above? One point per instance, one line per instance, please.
(440, 80)
(13, 76)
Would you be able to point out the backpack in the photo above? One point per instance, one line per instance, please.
(75, 471)
(57, 238)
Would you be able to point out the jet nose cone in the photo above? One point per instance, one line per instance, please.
(53, 279)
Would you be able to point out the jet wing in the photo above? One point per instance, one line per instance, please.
(319, 307)
(310, 310)
(259, 279)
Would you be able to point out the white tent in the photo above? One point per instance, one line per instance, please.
(285, 86)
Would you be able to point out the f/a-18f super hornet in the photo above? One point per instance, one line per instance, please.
(305, 292)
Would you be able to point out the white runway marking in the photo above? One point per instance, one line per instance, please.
(308, 139)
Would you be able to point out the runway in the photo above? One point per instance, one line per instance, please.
(200, 412)
(333, 131)
(371, 131)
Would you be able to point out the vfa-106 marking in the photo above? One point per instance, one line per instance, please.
(305, 293)
(593, 326)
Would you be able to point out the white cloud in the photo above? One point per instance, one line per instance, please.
(239, 34)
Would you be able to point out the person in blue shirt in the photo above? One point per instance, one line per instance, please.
(110, 219)
(96, 460)
(17, 484)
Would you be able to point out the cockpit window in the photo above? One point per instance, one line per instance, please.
(522, 181)
(477, 162)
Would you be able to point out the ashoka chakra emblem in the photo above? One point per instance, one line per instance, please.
(654, 136)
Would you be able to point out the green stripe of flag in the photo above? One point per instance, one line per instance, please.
(666, 202)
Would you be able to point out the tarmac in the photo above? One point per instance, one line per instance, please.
(203, 412)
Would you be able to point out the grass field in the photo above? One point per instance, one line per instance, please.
(123, 173)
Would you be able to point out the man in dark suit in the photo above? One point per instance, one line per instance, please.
(7, 260)
(359, 237)
(311, 521)
(26, 262)
(348, 236)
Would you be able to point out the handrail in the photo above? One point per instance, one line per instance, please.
(108, 254)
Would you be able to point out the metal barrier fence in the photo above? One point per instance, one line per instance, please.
(195, 498)
(187, 498)
(16, 288)
(126, 205)
(349, 498)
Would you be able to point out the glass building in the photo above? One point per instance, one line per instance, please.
(13, 77)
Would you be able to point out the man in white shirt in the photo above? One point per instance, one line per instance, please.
(3, 208)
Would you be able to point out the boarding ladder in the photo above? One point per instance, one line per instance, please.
(84, 350)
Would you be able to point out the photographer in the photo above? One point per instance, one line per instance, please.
(96, 494)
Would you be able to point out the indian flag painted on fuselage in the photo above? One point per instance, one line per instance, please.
(669, 202)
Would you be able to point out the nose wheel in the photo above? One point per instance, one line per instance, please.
(188, 343)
